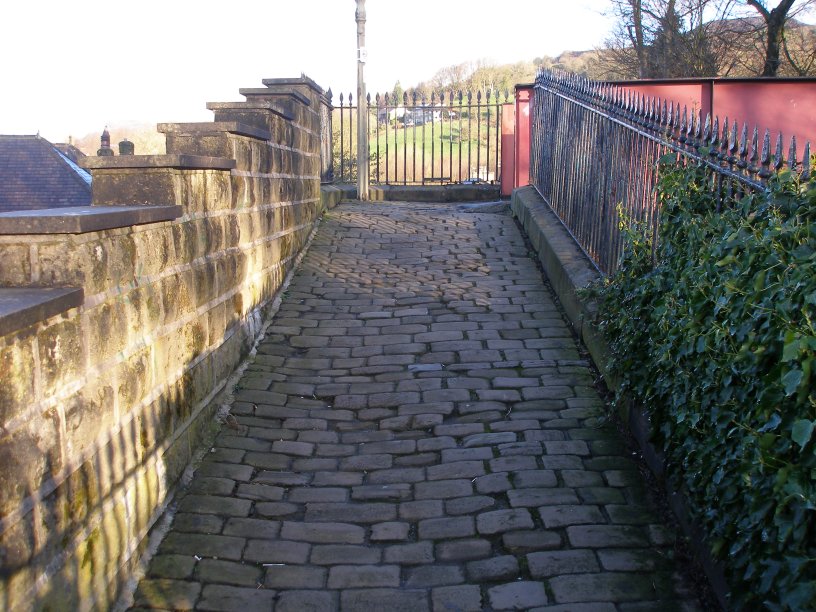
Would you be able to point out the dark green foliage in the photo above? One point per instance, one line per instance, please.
(714, 337)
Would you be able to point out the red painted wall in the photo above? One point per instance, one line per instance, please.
(516, 126)
(508, 148)
(524, 95)
(694, 96)
(781, 105)
(786, 107)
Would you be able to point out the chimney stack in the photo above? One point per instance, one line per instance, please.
(126, 147)
(105, 148)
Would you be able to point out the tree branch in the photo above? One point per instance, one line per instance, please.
(766, 15)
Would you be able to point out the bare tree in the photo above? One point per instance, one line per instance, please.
(799, 45)
(625, 50)
(761, 50)
(452, 77)
(664, 38)
(634, 30)
(775, 20)
(479, 75)
(694, 38)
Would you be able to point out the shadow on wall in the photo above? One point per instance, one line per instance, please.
(102, 406)
(86, 477)
(75, 532)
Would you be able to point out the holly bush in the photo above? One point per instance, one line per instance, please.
(712, 334)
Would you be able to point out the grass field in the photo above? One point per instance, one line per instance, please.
(449, 149)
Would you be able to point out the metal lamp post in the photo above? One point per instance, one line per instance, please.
(362, 114)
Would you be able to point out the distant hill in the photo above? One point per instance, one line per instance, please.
(580, 62)
(483, 76)
(739, 44)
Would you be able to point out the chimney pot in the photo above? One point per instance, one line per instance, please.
(105, 148)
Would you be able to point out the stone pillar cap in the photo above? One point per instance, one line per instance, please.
(214, 127)
(250, 106)
(274, 91)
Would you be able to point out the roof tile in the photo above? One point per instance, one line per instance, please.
(34, 175)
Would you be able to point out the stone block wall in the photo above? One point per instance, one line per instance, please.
(103, 405)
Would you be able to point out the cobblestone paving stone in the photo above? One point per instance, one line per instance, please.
(417, 432)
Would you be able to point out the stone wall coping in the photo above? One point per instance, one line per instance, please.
(214, 127)
(302, 80)
(83, 219)
(21, 307)
(183, 162)
(250, 92)
(250, 106)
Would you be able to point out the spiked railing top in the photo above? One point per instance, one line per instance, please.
(442, 97)
(728, 148)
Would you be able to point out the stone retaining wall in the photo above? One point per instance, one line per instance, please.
(102, 405)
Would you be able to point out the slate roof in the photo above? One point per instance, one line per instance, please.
(69, 151)
(34, 175)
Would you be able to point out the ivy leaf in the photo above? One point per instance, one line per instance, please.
(802, 432)
(791, 381)
(801, 596)
(728, 295)
(791, 350)
(772, 423)
(769, 575)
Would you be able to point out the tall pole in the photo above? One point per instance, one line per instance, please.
(362, 111)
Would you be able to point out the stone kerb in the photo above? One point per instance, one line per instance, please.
(570, 271)
(103, 404)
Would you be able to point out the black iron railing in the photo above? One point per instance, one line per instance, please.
(418, 140)
(594, 152)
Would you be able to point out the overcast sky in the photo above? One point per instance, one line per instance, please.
(71, 67)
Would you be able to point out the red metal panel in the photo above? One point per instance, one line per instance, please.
(787, 107)
(781, 105)
(524, 95)
(508, 148)
(694, 96)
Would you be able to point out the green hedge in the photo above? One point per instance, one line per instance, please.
(712, 334)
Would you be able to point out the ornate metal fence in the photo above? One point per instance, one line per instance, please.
(595, 148)
(418, 140)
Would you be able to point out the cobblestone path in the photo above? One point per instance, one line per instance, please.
(417, 432)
